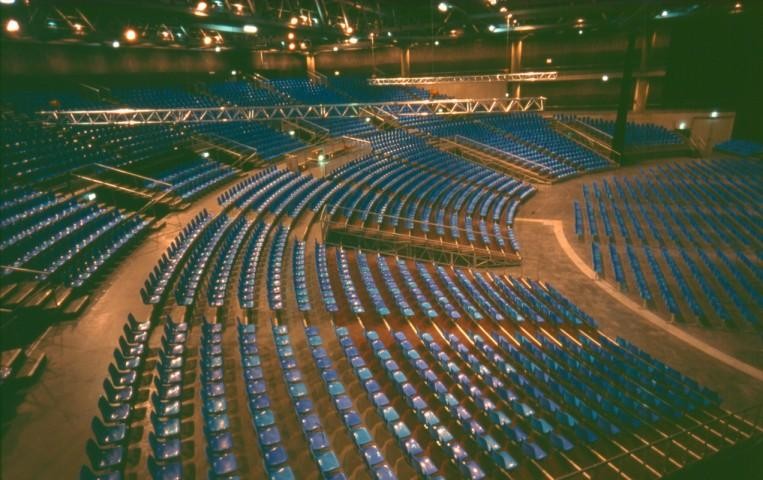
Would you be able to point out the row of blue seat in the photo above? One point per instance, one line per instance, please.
(217, 286)
(343, 404)
(263, 419)
(198, 257)
(400, 431)
(247, 290)
(275, 268)
(326, 460)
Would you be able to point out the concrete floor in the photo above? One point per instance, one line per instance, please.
(47, 436)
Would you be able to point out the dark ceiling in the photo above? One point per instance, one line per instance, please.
(306, 25)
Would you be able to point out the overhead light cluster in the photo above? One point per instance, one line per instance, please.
(12, 26)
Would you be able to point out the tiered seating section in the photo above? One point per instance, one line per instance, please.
(68, 239)
(504, 378)
(689, 237)
(414, 368)
(419, 190)
(637, 134)
(743, 148)
(524, 139)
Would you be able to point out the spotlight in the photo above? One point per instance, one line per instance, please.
(321, 157)
(503, 10)
(443, 7)
(218, 49)
(250, 29)
(580, 20)
(336, 49)
(580, 32)
(605, 78)
(436, 43)
(682, 126)
(368, 119)
(77, 28)
(492, 2)
(290, 36)
(206, 40)
(738, 5)
(389, 34)
(292, 133)
(292, 45)
(115, 44)
(303, 45)
(549, 60)
(201, 9)
(491, 28)
(348, 30)
(7, 2)
(353, 40)
(336, 73)
(12, 26)
(294, 20)
(233, 72)
(714, 114)
(664, 13)
(130, 35)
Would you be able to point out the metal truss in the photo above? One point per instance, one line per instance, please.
(494, 77)
(129, 116)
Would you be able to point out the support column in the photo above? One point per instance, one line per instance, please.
(405, 62)
(515, 66)
(310, 63)
(626, 96)
(641, 95)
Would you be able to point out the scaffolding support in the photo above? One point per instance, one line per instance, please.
(129, 116)
(493, 77)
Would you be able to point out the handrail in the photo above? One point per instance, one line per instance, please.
(591, 127)
(481, 145)
(24, 270)
(356, 140)
(125, 172)
(607, 148)
(229, 141)
(113, 185)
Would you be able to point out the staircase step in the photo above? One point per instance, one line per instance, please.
(31, 368)
(38, 298)
(12, 359)
(76, 305)
(21, 293)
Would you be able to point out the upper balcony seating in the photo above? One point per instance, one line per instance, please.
(637, 134)
(306, 91)
(359, 89)
(192, 179)
(268, 142)
(743, 148)
(243, 93)
(161, 97)
(29, 102)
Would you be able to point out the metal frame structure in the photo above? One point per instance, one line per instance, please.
(129, 116)
(492, 77)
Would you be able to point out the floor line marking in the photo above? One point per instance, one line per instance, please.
(644, 313)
